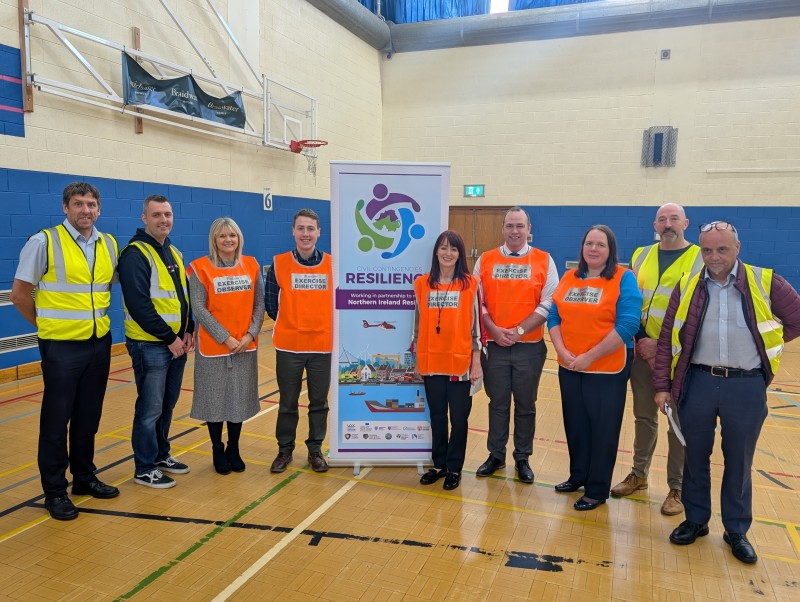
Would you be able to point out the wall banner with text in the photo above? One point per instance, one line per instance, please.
(385, 219)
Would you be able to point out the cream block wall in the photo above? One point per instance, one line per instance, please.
(289, 40)
(561, 121)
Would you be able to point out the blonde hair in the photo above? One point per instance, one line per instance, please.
(217, 226)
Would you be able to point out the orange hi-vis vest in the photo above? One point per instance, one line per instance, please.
(588, 310)
(305, 305)
(512, 287)
(230, 294)
(450, 350)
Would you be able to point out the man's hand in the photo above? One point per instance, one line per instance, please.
(662, 399)
(505, 337)
(177, 347)
(188, 342)
(646, 348)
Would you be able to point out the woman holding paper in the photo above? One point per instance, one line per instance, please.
(592, 322)
(447, 343)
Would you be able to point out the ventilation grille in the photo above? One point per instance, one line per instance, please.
(5, 298)
(659, 146)
(18, 343)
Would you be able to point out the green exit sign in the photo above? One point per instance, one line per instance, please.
(474, 190)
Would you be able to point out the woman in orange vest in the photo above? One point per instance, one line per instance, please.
(592, 322)
(227, 297)
(447, 343)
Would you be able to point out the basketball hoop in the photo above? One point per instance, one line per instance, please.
(309, 149)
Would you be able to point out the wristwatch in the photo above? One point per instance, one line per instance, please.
(520, 330)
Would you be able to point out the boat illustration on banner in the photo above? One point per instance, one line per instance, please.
(394, 405)
(357, 393)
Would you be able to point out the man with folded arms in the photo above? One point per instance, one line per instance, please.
(719, 349)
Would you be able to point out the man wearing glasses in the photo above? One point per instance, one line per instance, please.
(658, 269)
(719, 349)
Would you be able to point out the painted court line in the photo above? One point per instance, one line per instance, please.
(286, 540)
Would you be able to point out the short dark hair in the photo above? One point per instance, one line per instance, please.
(306, 213)
(153, 198)
(517, 208)
(461, 272)
(79, 189)
(611, 265)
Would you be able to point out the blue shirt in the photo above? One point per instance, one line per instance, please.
(629, 309)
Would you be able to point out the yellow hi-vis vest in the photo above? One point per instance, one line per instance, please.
(656, 292)
(759, 280)
(162, 291)
(72, 302)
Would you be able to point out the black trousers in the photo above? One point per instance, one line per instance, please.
(593, 406)
(450, 450)
(75, 375)
(289, 368)
(516, 371)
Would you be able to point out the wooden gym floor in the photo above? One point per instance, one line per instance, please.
(382, 535)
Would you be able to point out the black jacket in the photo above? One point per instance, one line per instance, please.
(134, 278)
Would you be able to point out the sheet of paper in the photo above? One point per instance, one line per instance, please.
(675, 428)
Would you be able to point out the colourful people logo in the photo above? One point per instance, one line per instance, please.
(387, 222)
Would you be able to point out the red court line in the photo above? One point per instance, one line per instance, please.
(8, 78)
(5, 401)
(11, 109)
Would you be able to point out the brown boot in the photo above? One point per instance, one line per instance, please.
(673, 504)
(629, 485)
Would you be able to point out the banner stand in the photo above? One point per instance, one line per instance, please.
(385, 218)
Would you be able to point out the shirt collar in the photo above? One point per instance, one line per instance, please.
(521, 253)
(731, 276)
(78, 236)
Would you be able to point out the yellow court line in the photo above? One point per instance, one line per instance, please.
(781, 558)
(18, 468)
(781, 426)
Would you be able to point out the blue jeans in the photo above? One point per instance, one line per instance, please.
(158, 384)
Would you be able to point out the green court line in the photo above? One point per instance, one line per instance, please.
(205, 539)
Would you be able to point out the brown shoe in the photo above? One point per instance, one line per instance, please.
(629, 485)
(280, 462)
(673, 504)
(318, 463)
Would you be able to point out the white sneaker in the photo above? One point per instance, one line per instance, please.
(170, 464)
(155, 479)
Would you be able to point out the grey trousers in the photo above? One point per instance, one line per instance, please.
(289, 368)
(646, 414)
(516, 371)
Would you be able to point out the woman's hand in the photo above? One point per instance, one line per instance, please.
(475, 372)
(231, 344)
(581, 362)
(244, 343)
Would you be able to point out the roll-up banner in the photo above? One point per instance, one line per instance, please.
(385, 219)
(179, 94)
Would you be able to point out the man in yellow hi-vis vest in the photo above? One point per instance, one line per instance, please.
(658, 268)
(719, 349)
(158, 332)
(71, 266)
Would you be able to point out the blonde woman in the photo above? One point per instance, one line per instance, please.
(227, 297)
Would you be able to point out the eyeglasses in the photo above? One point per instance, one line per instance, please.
(719, 225)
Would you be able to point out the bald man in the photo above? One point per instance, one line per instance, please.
(658, 269)
(724, 332)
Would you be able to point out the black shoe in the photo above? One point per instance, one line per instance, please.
(61, 508)
(687, 532)
(235, 460)
(524, 472)
(451, 480)
(567, 487)
(741, 548)
(584, 504)
(96, 489)
(487, 468)
(221, 463)
(433, 475)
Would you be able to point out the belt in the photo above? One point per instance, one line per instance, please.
(724, 372)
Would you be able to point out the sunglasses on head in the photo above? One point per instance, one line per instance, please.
(718, 225)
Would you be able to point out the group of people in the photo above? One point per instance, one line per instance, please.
(698, 332)
(63, 287)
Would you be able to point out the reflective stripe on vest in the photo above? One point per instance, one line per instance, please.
(230, 293)
(72, 302)
(588, 311)
(759, 281)
(512, 287)
(305, 305)
(657, 291)
(162, 291)
(448, 351)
